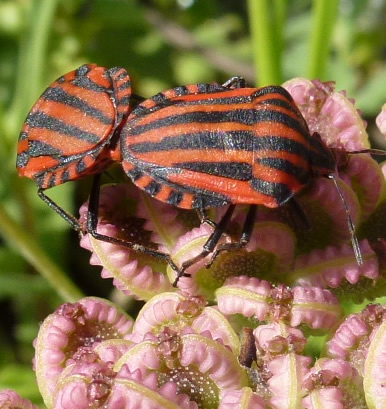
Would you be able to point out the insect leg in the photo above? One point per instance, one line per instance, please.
(235, 82)
(137, 99)
(297, 215)
(69, 218)
(350, 223)
(203, 216)
(244, 238)
(92, 223)
(209, 245)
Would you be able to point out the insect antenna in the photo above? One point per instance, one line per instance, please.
(350, 223)
(376, 152)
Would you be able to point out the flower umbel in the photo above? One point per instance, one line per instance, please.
(312, 250)
(245, 329)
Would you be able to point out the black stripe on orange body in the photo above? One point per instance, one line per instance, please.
(213, 145)
(73, 129)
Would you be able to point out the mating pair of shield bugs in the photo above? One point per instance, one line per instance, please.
(194, 147)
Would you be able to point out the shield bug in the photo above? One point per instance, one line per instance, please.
(194, 147)
(207, 145)
(73, 131)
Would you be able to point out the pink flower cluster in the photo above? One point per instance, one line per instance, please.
(248, 351)
(246, 329)
(282, 249)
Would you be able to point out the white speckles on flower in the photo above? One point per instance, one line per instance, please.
(135, 389)
(197, 363)
(70, 332)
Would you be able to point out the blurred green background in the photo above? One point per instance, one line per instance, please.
(161, 44)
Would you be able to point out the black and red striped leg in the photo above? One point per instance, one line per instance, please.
(92, 224)
(210, 244)
(244, 238)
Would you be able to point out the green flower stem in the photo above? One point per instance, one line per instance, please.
(30, 249)
(323, 21)
(279, 13)
(266, 29)
(32, 59)
(29, 76)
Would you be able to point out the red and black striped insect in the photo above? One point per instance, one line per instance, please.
(70, 132)
(73, 131)
(195, 146)
(207, 145)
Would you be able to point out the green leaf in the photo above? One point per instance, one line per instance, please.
(20, 378)
(372, 95)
